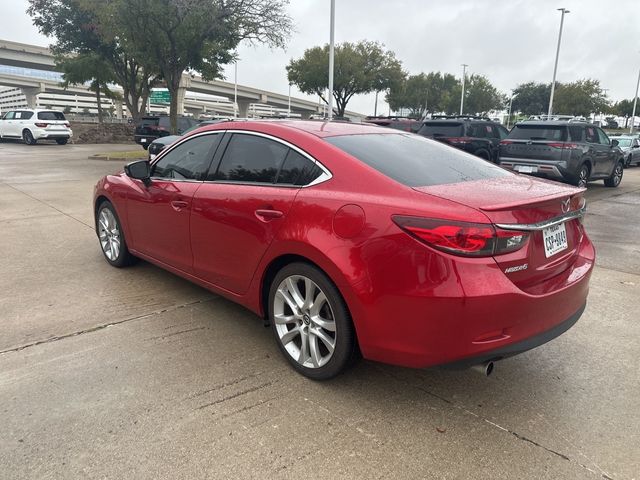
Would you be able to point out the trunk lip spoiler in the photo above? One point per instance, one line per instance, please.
(545, 224)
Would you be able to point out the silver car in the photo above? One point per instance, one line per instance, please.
(630, 146)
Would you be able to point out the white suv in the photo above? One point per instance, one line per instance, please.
(33, 125)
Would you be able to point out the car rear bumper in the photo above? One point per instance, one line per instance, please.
(144, 139)
(555, 170)
(468, 312)
(42, 134)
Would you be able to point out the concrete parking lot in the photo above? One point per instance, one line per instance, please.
(136, 373)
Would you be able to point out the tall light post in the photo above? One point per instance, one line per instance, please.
(332, 23)
(464, 76)
(555, 67)
(289, 105)
(235, 89)
(510, 103)
(635, 102)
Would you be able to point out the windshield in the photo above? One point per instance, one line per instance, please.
(50, 116)
(416, 161)
(623, 142)
(442, 129)
(539, 132)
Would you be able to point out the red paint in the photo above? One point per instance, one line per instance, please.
(411, 304)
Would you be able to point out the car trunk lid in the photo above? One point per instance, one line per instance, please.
(524, 204)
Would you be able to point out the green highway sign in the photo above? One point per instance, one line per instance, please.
(160, 96)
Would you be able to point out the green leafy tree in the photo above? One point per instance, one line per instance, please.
(359, 68)
(91, 68)
(175, 36)
(624, 108)
(77, 29)
(582, 97)
(532, 98)
(423, 93)
(481, 96)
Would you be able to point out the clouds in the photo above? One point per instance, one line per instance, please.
(509, 41)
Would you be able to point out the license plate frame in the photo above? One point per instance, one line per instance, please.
(554, 239)
(526, 169)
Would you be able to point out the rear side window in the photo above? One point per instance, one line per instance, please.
(576, 133)
(592, 135)
(51, 116)
(250, 159)
(297, 170)
(150, 122)
(415, 161)
(442, 129)
(479, 130)
(539, 132)
(23, 115)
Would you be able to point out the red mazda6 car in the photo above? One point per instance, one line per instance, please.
(354, 239)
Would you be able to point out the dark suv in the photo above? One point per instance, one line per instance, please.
(572, 151)
(399, 123)
(152, 127)
(478, 136)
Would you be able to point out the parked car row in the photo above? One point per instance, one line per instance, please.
(32, 125)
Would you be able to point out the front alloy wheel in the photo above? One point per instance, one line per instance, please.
(310, 321)
(616, 176)
(112, 242)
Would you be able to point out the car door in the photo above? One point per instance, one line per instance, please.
(597, 153)
(6, 125)
(240, 208)
(159, 213)
(635, 150)
(608, 156)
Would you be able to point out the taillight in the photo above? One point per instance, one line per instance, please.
(41, 125)
(458, 140)
(506, 142)
(462, 238)
(563, 146)
(67, 124)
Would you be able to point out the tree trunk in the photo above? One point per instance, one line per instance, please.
(173, 85)
(99, 99)
(626, 122)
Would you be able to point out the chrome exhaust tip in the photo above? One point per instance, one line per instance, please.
(485, 368)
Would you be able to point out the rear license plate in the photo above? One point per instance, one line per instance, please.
(143, 140)
(555, 239)
(525, 169)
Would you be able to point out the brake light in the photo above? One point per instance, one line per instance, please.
(67, 124)
(563, 146)
(459, 140)
(506, 142)
(41, 125)
(462, 238)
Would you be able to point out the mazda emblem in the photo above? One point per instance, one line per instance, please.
(565, 205)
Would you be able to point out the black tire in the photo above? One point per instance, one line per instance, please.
(483, 154)
(145, 146)
(628, 162)
(582, 178)
(345, 351)
(124, 257)
(616, 176)
(27, 137)
(62, 141)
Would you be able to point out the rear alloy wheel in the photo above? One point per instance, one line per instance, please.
(112, 242)
(583, 176)
(27, 137)
(310, 321)
(616, 177)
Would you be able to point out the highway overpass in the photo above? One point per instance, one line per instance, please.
(26, 56)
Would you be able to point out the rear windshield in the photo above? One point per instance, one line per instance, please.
(149, 122)
(539, 132)
(50, 116)
(416, 161)
(442, 129)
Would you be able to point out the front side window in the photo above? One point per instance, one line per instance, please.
(188, 161)
(9, 116)
(251, 159)
(415, 161)
(602, 137)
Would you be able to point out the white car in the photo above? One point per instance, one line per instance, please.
(33, 125)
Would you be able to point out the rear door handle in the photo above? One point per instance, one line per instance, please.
(267, 215)
(178, 205)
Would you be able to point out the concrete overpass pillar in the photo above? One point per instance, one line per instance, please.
(118, 109)
(185, 84)
(305, 115)
(243, 108)
(32, 95)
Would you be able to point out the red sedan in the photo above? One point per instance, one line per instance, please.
(352, 239)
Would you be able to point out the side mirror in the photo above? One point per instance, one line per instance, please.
(636, 146)
(139, 170)
(614, 143)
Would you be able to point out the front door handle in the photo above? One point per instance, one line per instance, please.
(266, 215)
(178, 205)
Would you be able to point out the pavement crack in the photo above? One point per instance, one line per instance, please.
(175, 333)
(103, 326)
(220, 386)
(50, 206)
(235, 395)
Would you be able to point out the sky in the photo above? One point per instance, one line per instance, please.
(508, 41)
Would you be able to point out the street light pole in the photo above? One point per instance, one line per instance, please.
(464, 76)
(510, 103)
(289, 107)
(332, 23)
(235, 89)
(635, 102)
(555, 67)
